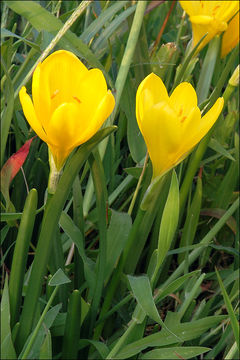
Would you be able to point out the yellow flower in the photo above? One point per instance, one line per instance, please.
(171, 126)
(70, 103)
(211, 18)
(231, 36)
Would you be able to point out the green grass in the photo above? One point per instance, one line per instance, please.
(96, 272)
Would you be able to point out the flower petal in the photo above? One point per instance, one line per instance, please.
(62, 72)
(151, 91)
(231, 36)
(162, 133)
(30, 114)
(93, 88)
(183, 99)
(207, 121)
(102, 112)
(41, 97)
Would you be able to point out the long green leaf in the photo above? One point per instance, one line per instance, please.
(187, 352)
(20, 254)
(7, 348)
(102, 19)
(46, 348)
(169, 220)
(186, 331)
(233, 318)
(117, 234)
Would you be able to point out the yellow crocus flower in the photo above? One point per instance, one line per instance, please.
(212, 18)
(70, 103)
(171, 126)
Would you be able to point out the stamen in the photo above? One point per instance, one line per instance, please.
(180, 112)
(79, 101)
(54, 94)
(215, 9)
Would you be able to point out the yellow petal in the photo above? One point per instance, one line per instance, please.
(201, 13)
(102, 112)
(30, 114)
(206, 122)
(92, 88)
(150, 91)
(183, 99)
(41, 97)
(231, 36)
(162, 133)
(191, 7)
(62, 72)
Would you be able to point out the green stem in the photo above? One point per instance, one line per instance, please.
(138, 186)
(40, 321)
(122, 340)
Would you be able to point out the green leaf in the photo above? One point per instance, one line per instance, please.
(142, 291)
(99, 45)
(10, 216)
(7, 112)
(134, 171)
(102, 19)
(46, 348)
(3, 233)
(233, 318)
(7, 33)
(173, 286)
(191, 222)
(188, 352)
(169, 220)
(101, 348)
(186, 331)
(7, 348)
(216, 146)
(76, 236)
(72, 327)
(59, 278)
(117, 234)
(39, 339)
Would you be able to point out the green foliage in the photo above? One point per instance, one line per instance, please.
(114, 265)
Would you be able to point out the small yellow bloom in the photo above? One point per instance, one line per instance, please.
(70, 103)
(171, 126)
(212, 18)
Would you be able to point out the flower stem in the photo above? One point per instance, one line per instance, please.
(138, 185)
